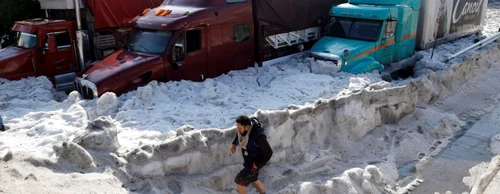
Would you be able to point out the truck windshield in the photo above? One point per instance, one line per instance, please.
(149, 41)
(367, 30)
(25, 40)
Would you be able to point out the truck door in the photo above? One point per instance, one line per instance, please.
(386, 54)
(189, 56)
(242, 45)
(220, 61)
(58, 55)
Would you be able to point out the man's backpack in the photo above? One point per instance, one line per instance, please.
(256, 122)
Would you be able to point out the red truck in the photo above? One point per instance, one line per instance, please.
(75, 35)
(199, 39)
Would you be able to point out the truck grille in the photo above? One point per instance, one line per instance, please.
(84, 91)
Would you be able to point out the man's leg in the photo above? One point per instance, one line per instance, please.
(259, 186)
(242, 180)
(242, 189)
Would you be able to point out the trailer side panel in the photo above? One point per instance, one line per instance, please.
(445, 20)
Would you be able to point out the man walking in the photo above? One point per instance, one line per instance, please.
(255, 150)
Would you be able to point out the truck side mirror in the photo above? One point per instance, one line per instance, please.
(390, 29)
(52, 44)
(178, 56)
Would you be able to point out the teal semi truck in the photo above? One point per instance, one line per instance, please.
(364, 35)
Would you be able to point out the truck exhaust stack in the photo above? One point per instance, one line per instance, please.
(82, 40)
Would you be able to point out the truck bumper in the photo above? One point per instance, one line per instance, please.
(337, 60)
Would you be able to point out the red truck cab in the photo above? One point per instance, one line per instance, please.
(42, 47)
(190, 40)
(85, 31)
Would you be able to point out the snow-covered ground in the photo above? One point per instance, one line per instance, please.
(330, 132)
(155, 111)
(491, 22)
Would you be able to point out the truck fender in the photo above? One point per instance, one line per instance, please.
(367, 66)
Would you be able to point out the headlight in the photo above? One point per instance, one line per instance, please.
(86, 88)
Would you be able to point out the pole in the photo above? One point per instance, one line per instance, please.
(78, 16)
(434, 47)
(79, 36)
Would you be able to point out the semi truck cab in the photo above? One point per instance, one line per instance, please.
(75, 34)
(42, 47)
(364, 35)
(176, 41)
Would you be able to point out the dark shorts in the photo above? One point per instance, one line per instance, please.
(246, 176)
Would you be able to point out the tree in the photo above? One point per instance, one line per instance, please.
(16, 10)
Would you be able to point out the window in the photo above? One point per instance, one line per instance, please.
(193, 40)
(63, 41)
(341, 28)
(390, 28)
(236, 1)
(25, 40)
(366, 30)
(241, 33)
(187, 42)
(149, 41)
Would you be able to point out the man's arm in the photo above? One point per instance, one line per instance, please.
(234, 144)
(267, 152)
(235, 140)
